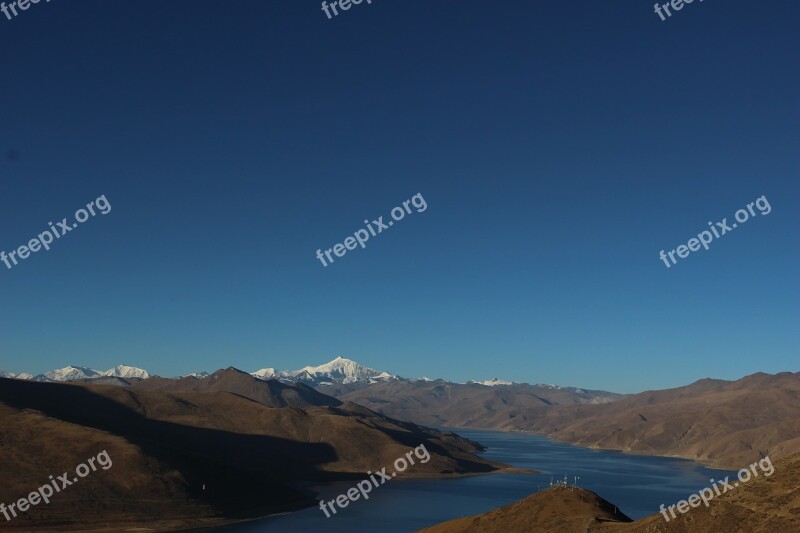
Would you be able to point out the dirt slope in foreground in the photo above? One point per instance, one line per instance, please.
(761, 505)
(555, 509)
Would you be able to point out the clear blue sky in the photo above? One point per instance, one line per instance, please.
(559, 146)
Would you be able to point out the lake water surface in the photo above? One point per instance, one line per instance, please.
(637, 484)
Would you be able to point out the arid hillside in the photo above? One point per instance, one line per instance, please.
(725, 424)
(762, 505)
(556, 509)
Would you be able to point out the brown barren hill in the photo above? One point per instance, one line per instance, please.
(725, 424)
(138, 487)
(191, 459)
(554, 509)
(761, 505)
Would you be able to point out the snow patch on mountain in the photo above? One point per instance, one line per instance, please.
(491, 382)
(196, 375)
(548, 386)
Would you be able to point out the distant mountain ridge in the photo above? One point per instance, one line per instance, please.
(339, 371)
(73, 373)
(487, 405)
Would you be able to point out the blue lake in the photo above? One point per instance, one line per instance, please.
(637, 484)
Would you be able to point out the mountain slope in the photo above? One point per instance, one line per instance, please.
(722, 423)
(270, 393)
(555, 509)
(167, 446)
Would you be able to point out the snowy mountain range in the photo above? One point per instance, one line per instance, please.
(71, 373)
(23, 375)
(339, 371)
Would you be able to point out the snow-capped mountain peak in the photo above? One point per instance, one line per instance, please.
(265, 373)
(344, 371)
(338, 371)
(68, 373)
(125, 371)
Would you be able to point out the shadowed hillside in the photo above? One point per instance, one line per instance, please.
(167, 446)
(271, 393)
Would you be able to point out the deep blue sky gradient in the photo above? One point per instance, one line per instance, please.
(559, 146)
